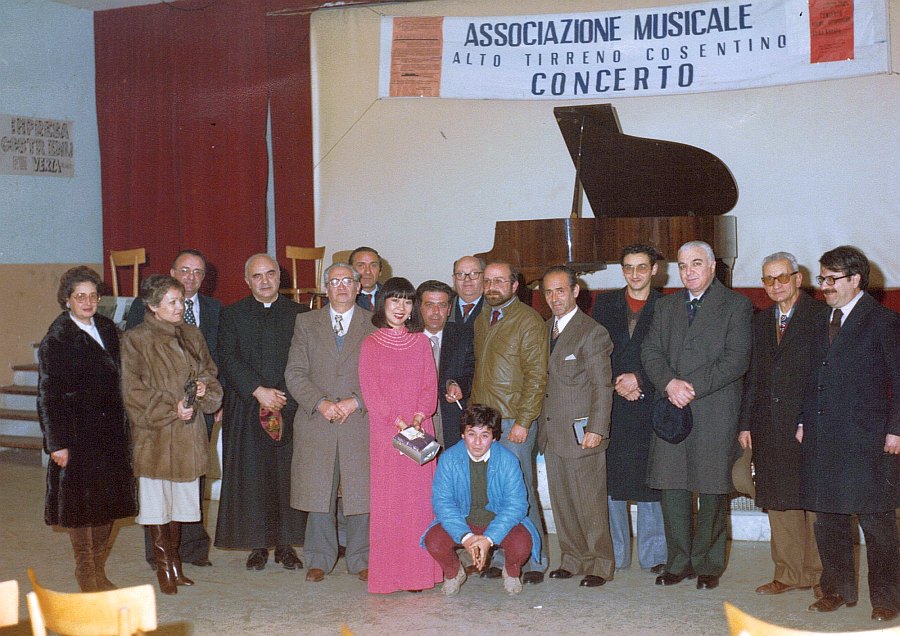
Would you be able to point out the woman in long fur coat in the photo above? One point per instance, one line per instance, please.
(90, 481)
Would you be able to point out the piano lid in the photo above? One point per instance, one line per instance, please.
(625, 176)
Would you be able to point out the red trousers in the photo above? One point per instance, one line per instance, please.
(516, 545)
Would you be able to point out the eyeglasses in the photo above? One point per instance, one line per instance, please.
(829, 280)
(337, 282)
(640, 268)
(86, 298)
(467, 275)
(495, 282)
(187, 271)
(768, 281)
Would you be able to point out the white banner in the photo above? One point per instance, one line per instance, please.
(657, 51)
(36, 147)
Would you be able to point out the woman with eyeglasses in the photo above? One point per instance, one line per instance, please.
(168, 381)
(398, 379)
(90, 482)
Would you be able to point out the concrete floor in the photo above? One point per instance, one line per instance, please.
(228, 599)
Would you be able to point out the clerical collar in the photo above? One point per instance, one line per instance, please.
(483, 458)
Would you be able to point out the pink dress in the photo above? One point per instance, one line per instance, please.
(398, 379)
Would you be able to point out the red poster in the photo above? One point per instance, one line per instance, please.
(416, 57)
(830, 30)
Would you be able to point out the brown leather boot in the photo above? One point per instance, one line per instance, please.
(165, 574)
(175, 542)
(100, 548)
(84, 558)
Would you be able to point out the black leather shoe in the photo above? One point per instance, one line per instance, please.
(533, 578)
(287, 557)
(667, 578)
(829, 603)
(202, 563)
(591, 580)
(560, 574)
(257, 559)
(491, 573)
(707, 582)
(659, 568)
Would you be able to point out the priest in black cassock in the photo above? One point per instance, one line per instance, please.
(257, 435)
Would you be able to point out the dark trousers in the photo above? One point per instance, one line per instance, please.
(834, 536)
(700, 546)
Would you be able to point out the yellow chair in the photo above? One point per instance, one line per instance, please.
(316, 254)
(9, 603)
(126, 258)
(742, 624)
(126, 611)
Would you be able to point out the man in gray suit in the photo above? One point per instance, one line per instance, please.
(696, 353)
(579, 386)
(331, 427)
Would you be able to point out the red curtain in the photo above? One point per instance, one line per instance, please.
(181, 108)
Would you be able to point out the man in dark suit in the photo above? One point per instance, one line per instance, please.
(696, 353)
(850, 436)
(189, 267)
(626, 313)
(258, 424)
(579, 385)
(468, 282)
(367, 263)
(454, 355)
(773, 393)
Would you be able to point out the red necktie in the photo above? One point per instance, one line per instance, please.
(466, 309)
(495, 316)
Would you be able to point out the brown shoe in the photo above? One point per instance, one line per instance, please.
(315, 575)
(883, 614)
(363, 575)
(829, 603)
(777, 587)
(817, 591)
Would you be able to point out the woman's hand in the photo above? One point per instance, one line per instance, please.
(60, 457)
(400, 423)
(185, 413)
(201, 389)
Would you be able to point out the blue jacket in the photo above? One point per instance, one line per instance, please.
(451, 496)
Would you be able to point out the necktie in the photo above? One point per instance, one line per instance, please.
(189, 312)
(782, 326)
(436, 350)
(692, 309)
(555, 333)
(835, 325)
(338, 325)
(371, 301)
(466, 309)
(495, 316)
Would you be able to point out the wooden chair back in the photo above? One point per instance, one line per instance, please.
(315, 254)
(9, 603)
(126, 258)
(126, 611)
(742, 624)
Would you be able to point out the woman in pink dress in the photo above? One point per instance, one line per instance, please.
(399, 386)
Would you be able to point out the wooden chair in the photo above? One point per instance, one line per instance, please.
(9, 603)
(126, 258)
(316, 254)
(129, 610)
(742, 624)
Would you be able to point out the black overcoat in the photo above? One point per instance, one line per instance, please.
(457, 363)
(80, 408)
(851, 403)
(254, 506)
(631, 431)
(773, 396)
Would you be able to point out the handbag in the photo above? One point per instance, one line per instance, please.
(419, 446)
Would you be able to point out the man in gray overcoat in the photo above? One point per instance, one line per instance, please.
(331, 427)
(696, 353)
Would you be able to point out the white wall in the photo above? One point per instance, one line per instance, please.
(424, 180)
(47, 70)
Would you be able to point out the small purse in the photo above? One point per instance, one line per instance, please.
(417, 445)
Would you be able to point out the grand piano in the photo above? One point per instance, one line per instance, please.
(640, 190)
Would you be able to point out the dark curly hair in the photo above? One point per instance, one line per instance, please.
(477, 415)
(70, 280)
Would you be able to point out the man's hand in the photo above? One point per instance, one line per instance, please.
(347, 407)
(60, 457)
(185, 413)
(680, 393)
(744, 440)
(271, 399)
(591, 440)
(798, 435)
(626, 384)
(454, 393)
(478, 547)
(892, 444)
(217, 418)
(517, 434)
